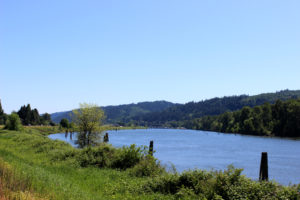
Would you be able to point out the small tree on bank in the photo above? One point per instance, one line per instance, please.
(88, 119)
(13, 122)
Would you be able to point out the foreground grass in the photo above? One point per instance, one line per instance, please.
(35, 167)
(30, 155)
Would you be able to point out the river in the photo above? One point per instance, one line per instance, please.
(191, 149)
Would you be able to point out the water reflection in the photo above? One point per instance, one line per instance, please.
(81, 140)
(67, 134)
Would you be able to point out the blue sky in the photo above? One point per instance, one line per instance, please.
(56, 54)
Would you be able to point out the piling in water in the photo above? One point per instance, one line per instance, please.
(151, 148)
(263, 172)
(106, 139)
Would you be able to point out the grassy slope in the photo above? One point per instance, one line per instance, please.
(62, 180)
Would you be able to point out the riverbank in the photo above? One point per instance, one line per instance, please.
(53, 171)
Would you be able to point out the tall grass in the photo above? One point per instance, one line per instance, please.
(13, 185)
(39, 159)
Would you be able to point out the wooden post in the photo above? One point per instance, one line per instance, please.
(151, 148)
(263, 172)
(106, 139)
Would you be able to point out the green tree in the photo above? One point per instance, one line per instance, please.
(13, 122)
(2, 115)
(267, 117)
(45, 119)
(88, 120)
(292, 125)
(64, 123)
(226, 120)
(71, 127)
(25, 114)
(34, 117)
(257, 121)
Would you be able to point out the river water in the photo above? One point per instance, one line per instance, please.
(191, 149)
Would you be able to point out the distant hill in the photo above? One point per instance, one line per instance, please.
(163, 113)
(179, 113)
(121, 113)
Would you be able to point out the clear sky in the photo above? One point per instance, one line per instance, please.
(56, 54)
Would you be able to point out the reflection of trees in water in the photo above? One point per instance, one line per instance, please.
(67, 134)
(83, 140)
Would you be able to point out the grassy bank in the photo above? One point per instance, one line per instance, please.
(35, 167)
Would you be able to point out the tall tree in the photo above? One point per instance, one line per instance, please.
(88, 119)
(25, 114)
(2, 115)
(34, 117)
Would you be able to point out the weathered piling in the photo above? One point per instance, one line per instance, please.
(151, 148)
(263, 172)
(106, 139)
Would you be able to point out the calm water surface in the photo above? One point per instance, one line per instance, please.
(190, 149)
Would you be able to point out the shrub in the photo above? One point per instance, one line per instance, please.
(148, 166)
(128, 157)
(13, 122)
(101, 156)
(228, 184)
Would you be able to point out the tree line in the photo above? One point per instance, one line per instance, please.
(27, 116)
(279, 119)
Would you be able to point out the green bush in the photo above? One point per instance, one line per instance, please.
(228, 184)
(101, 156)
(128, 157)
(148, 166)
(13, 122)
(106, 156)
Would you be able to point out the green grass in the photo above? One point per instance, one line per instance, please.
(31, 155)
(51, 170)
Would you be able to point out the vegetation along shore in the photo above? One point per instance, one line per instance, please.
(32, 166)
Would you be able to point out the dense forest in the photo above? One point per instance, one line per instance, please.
(280, 119)
(121, 114)
(175, 115)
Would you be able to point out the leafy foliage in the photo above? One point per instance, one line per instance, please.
(148, 166)
(280, 119)
(13, 122)
(64, 123)
(227, 185)
(88, 120)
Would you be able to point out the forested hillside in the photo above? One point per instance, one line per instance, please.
(280, 119)
(163, 113)
(123, 113)
(175, 115)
